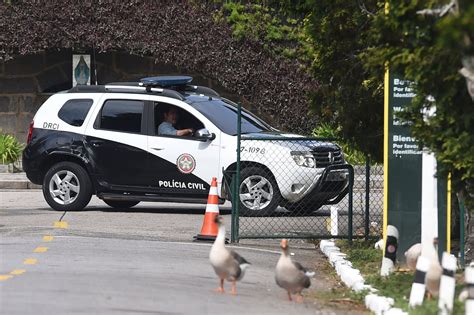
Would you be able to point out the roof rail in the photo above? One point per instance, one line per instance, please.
(124, 83)
(201, 90)
(125, 88)
(187, 88)
(87, 88)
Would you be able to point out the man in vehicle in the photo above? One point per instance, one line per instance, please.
(170, 117)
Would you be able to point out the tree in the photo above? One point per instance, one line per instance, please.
(425, 43)
(348, 97)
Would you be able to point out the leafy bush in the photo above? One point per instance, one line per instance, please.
(10, 149)
(351, 153)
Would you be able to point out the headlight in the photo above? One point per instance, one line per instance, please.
(303, 158)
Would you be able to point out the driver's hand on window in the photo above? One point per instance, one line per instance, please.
(185, 132)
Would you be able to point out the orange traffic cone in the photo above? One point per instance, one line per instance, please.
(209, 227)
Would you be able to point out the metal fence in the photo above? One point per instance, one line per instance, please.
(281, 197)
(294, 187)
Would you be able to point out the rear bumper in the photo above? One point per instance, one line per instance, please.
(31, 167)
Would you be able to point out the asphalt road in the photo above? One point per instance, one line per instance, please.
(104, 261)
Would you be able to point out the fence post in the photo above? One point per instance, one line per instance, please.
(350, 214)
(367, 196)
(461, 230)
(234, 233)
(236, 199)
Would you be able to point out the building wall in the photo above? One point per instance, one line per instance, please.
(27, 81)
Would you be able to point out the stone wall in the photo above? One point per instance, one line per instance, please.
(27, 81)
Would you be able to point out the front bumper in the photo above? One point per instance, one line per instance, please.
(328, 186)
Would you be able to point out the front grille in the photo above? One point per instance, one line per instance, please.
(326, 156)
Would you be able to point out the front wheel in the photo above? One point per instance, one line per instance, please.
(67, 187)
(258, 192)
(121, 204)
(303, 208)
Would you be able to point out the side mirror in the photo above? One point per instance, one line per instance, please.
(204, 135)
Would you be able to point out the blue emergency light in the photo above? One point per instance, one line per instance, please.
(166, 81)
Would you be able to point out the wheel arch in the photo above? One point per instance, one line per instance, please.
(57, 157)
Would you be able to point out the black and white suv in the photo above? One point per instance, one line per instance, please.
(103, 140)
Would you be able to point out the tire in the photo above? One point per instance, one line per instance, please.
(303, 208)
(121, 204)
(67, 187)
(258, 192)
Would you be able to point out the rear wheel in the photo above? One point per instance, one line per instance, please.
(258, 192)
(67, 186)
(121, 204)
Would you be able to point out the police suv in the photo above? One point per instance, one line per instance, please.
(104, 140)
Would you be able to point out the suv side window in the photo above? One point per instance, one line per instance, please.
(122, 116)
(184, 118)
(74, 112)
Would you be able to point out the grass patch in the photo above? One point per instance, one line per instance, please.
(368, 260)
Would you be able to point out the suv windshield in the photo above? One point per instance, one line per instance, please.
(223, 113)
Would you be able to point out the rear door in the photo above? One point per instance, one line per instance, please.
(117, 143)
(182, 166)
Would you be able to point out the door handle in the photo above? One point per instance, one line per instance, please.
(97, 143)
(158, 149)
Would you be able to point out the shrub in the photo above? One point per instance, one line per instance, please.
(10, 149)
(351, 154)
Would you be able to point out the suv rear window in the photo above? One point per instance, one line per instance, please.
(122, 115)
(75, 111)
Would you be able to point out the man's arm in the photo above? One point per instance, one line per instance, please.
(167, 129)
(184, 132)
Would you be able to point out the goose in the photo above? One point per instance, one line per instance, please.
(411, 256)
(227, 264)
(290, 275)
(433, 275)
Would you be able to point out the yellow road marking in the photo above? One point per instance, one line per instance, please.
(48, 238)
(17, 272)
(30, 261)
(5, 277)
(40, 249)
(60, 224)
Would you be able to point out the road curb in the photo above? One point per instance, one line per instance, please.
(352, 278)
(16, 181)
(18, 184)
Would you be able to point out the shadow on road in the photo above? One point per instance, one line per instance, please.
(138, 209)
(280, 212)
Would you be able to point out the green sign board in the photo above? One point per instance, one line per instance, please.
(403, 173)
(404, 159)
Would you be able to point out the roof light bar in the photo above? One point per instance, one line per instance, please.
(165, 81)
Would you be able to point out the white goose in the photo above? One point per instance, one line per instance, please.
(227, 264)
(290, 275)
(433, 275)
(411, 256)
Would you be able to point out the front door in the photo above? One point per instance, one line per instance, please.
(183, 166)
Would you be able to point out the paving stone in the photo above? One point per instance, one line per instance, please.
(6, 105)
